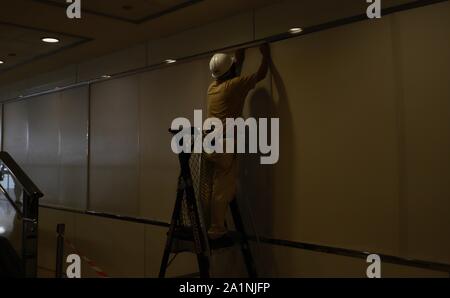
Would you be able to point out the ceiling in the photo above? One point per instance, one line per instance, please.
(135, 11)
(105, 26)
(20, 45)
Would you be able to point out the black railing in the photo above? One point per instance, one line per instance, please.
(27, 184)
(26, 207)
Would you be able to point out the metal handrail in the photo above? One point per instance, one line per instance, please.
(20, 177)
(11, 201)
(26, 210)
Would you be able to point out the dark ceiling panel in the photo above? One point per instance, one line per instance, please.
(135, 11)
(19, 44)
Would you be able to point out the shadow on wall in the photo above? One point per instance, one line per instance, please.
(261, 185)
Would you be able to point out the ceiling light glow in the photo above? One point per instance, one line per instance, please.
(50, 40)
(295, 30)
(170, 61)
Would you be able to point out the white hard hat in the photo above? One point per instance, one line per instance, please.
(220, 64)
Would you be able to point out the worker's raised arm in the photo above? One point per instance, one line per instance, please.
(264, 68)
(239, 57)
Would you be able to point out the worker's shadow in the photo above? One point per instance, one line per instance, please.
(260, 184)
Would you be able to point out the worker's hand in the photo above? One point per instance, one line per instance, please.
(239, 55)
(240, 52)
(265, 50)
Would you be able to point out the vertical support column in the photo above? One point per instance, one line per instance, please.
(60, 230)
(30, 236)
(88, 150)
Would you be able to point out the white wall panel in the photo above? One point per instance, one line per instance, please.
(256, 191)
(47, 136)
(114, 147)
(166, 94)
(423, 55)
(73, 147)
(336, 182)
(15, 137)
(44, 142)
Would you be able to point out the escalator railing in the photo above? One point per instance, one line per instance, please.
(20, 198)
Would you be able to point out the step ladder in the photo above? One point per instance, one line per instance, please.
(188, 226)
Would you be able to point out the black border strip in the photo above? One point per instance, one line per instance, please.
(441, 267)
(108, 215)
(124, 19)
(434, 266)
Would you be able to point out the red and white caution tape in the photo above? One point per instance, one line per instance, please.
(91, 263)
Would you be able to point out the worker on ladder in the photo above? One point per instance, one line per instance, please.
(226, 97)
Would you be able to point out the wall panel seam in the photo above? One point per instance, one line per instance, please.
(401, 146)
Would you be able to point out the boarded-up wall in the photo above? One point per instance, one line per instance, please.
(47, 136)
(364, 138)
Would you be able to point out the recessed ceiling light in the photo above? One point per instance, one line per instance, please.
(1, 62)
(50, 40)
(295, 30)
(105, 76)
(170, 61)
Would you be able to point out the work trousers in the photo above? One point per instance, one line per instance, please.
(224, 188)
